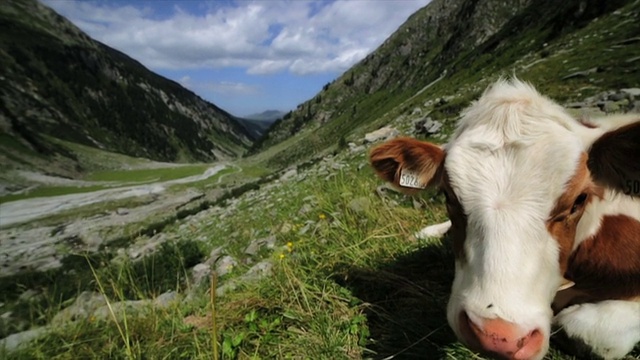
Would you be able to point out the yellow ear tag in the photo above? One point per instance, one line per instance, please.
(411, 179)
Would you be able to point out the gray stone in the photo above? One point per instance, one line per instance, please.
(383, 133)
(427, 126)
(617, 96)
(199, 273)
(225, 265)
(84, 305)
(305, 209)
(289, 174)
(259, 271)
(214, 255)
(635, 92)
(360, 205)
(164, 300)
(254, 247)
(14, 341)
(122, 309)
(28, 295)
(610, 107)
(122, 211)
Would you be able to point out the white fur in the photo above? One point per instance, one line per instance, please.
(437, 230)
(508, 163)
(611, 328)
(612, 203)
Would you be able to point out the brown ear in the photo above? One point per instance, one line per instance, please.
(408, 157)
(614, 159)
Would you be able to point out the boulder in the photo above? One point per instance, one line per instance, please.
(383, 133)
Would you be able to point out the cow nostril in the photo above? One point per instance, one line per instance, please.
(499, 338)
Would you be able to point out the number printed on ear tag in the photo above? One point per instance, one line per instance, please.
(410, 179)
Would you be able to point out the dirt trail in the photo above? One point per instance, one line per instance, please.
(21, 211)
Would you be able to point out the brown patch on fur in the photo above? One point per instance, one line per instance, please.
(607, 265)
(390, 158)
(564, 217)
(613, 159)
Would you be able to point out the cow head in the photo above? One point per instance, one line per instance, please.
(518, 175)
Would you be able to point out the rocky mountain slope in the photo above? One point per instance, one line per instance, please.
(57, 83)
(258, 124)
(451, 49)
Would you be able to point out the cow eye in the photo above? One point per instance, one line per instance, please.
(579, 203)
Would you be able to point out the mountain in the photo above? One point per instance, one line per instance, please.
(268, 116)
(448, 51)
(56, 83)
(258, 124)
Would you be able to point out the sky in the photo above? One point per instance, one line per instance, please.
(244, 56)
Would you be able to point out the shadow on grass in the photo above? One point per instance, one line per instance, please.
(407, 303)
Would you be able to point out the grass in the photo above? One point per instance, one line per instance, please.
(120, 178)
(347, 282)
(148, 175)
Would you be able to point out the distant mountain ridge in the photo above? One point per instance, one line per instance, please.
(258, 124)
(56, 82)
(267, 115)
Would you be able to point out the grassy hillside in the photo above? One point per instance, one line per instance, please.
(452, 49)
(58, 83)
(348, 281)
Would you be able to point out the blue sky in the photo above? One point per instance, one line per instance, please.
(243, 56)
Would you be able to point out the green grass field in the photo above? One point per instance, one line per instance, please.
(347, 283)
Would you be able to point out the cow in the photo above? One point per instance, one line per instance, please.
(544, 216)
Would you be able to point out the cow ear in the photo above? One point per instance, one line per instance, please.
(614, 159)
(407, 163)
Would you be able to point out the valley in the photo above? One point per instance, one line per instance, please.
(168, 228)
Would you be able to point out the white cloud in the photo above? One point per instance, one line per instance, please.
(234, 88)
(262, 36)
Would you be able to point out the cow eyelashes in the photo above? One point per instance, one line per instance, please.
(579, 203)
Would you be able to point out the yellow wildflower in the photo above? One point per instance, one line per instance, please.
(281, 256)
(322, 216)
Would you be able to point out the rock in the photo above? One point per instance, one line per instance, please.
(225, 265)
(258, 271)
(289, 174)
(286, 228)
(122, 211)
(199, 273)
(306, 208)
(416, 111)
(582, 73)
(359, 205)
(165, 299)
(635, 92)
(214, 255)
(577, 105)
(28, 295)
(310, 198)
(85, 304)
(122, 309)
(229, 286)
(610, 107)
(14, 341)
(427, 126)
(383, 133)
(255, 246)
